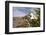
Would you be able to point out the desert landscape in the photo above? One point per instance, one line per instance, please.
(29, 20)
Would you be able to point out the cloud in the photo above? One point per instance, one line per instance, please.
(21, 11)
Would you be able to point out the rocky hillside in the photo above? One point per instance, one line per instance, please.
(25, 22)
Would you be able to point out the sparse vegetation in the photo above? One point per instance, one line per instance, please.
(26, 21)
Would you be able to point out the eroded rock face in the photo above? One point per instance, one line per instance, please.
(20, 22)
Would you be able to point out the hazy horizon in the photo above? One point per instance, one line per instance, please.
(20, 11)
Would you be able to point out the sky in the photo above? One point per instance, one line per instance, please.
(21, 11)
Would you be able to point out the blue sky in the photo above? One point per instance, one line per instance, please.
(21, 11)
